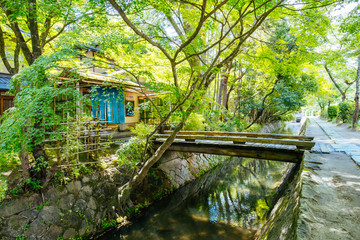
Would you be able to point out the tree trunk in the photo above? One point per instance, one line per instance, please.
(356, 112)
(343, 93)
(220, 90)
(25, 164)
(225, 79)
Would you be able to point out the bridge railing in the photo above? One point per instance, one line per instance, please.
(301, 142)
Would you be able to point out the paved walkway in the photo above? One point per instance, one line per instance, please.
(342, 139)
(330, 202)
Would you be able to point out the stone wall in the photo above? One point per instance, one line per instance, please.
(281, 222)
(181, 168)
(76, 209)
(85, 206)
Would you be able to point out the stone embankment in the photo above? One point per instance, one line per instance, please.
(90, 204)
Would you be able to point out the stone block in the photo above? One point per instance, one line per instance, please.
(15, 207)
(16, 224)
(54, 232)
(84, 228)
(80, 206)
(37, 228)
(85, 179)
(87, 190)
(89, 214)
(92, 203)
(66, 202)
(30, 214)
(50, 214)
(74, 187)
(69, 233)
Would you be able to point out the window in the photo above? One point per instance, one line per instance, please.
(129, 108)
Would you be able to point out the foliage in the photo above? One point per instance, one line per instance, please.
(131, 152)
(142, 130)
(3, 187)
(332, 112)
(108, 223)
(344, 111)
(195, 122)
(255, 128)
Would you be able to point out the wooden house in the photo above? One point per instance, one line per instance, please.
(6, 100)
(114, 101)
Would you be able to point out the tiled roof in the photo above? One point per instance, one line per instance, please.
(5, 81)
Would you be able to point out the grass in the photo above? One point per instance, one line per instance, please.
(3, 187)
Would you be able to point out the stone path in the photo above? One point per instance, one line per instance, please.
(343, 140)
(330, 201)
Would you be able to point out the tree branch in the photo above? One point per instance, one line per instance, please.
(136, 30)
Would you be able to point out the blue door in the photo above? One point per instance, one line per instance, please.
(108, 105)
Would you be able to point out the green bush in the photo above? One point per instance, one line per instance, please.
(142, 130)
(195, 122)
(228, 126)
(130, 153)
(332, 112)
(344, 111)
(255, 128)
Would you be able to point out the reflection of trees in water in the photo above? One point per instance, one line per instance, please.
(242, 196)
(223, 204)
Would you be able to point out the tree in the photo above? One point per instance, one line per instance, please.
(26, 29)
(349, 29)
(198, 38)
(31, 25)
(338, 87)
(209, 35)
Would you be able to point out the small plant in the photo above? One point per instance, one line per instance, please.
(39, 207)
(195, 122)
(35, 185)
(3, 187)
(15, 191)
(255, 128)
(26, 227)
(332, 112)
(61, 178)
(142, 130)
(105, 223)
(130, 153)
(21, 237)
(344, 111)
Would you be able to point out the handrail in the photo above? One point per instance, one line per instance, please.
(246, 134)
(243, 140)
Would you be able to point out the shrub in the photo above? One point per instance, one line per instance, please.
(141, 130)
(344, 111)
(195, 122)
(332, 112)
(130, 153)
(255, 128)
(228, 126)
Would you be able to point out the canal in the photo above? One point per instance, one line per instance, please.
(229, 202)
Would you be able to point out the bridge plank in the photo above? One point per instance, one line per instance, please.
(261, 152)
(241, 140)
(245, 134)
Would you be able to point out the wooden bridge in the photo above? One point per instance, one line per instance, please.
(278, 147)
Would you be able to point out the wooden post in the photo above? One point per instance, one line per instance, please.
(58, 156)
(1, 106)
(97, 133)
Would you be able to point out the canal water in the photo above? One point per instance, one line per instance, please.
(229, 202)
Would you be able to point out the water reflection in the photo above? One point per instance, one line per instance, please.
(230, 202)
